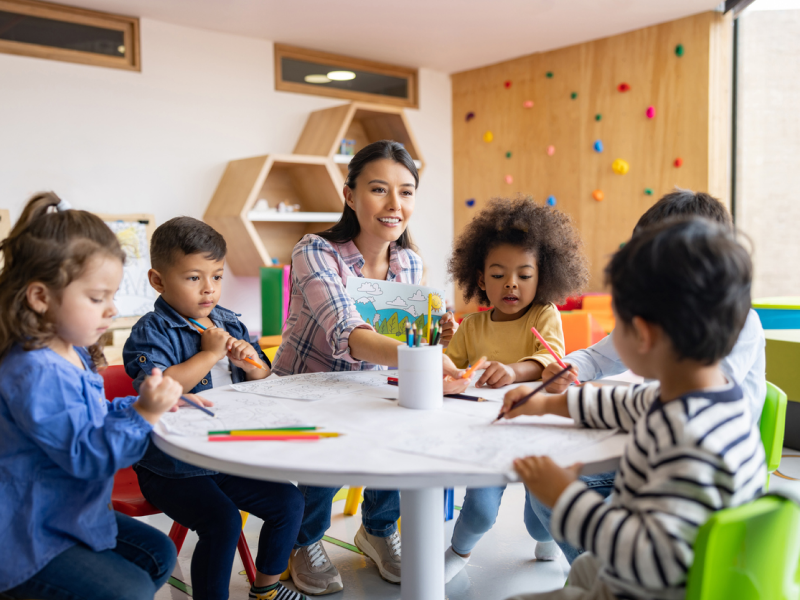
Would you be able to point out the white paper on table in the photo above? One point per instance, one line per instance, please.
(315, 386)
(231, 411)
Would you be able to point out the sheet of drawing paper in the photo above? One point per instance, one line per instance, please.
(135, 296)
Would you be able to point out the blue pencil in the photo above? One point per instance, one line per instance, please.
(196, 405)
(203, 327)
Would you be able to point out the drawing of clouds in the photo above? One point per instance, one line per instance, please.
(370, 288)
(418, 297)
(412, 309)
(366, 299)
(398, 302)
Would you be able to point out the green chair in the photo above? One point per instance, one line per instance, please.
(751, 552)
(773, 423)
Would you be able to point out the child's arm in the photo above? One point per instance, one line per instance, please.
(595, 362)
(213, 348)
(498, 374)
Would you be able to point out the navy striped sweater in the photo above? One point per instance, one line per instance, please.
(685, 459)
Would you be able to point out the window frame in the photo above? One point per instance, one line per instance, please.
(338, 61)
(46, 10)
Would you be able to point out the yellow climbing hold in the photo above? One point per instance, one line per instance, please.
(488, 137)
(620, 167)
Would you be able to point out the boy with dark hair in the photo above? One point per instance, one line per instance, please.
(681, 294)
(187, 258)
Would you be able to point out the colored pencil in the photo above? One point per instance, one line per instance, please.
(262, 430)
(468, 373)
(550, 350)
(246, 358)
(465, 397)
(438, 336)
(262, 438)
(289, 434)
(413, 336)
(196, 405)
(536, 390)
(430, 329)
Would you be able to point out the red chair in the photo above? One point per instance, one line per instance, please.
(126, 496)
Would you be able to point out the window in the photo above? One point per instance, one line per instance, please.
(311, 72)
(45, 30)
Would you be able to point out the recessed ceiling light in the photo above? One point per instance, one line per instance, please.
(341, 75)
(317, 79)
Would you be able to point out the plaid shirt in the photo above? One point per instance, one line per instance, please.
(322, 315)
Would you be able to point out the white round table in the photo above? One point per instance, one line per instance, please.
(366, 456)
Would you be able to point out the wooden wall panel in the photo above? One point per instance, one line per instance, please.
(683, 91)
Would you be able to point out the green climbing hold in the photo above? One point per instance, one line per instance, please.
(508, 154)
(549, 74)
(598, 116)
(679, 50)
(648, 191)
(573, 95)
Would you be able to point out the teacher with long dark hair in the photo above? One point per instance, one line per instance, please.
(324, 332)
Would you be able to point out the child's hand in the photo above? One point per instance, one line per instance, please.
(453, 383)
(199, 399)
(544, 478)
(238, 350)
(534, 407)
(157, 395)
(496, 375)
(215, 341)
(448, 326)
(563, 382)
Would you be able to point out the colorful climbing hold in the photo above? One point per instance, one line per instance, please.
(573, 95)
(551, 200)
(678, 162)
(598, 117)
(470, 203)
(598, 146)
(549, 74)
(470, 115)
(507, 84)
(648, 191)
(651, 112)
(679, 50)
(598, 195)
(508, 154)
(620, 167)
(551, 150)
(623, 87)
(488, 137)
(509, 179)
(527, 104)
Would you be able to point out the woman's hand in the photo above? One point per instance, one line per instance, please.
(496, 375)
(544, 478)
(448, 327)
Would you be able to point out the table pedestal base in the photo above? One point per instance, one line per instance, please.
(423, 554)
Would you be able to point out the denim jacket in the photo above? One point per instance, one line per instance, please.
(163, 338)
(60, 444)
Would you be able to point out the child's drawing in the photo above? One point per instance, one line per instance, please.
(388, 306)
(135, 296)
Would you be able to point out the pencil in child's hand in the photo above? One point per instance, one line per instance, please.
(197, 405)
(246, 358)
(468, 373)
(203, 327)
(550, 350)
(535, 391)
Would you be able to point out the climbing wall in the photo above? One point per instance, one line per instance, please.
(599, 130)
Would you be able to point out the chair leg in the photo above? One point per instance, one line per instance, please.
(449, 504)
(353, 500)
(178, 534)
(247, 559)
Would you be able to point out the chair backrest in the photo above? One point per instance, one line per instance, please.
(750, 552)
(117, 383)
(773, 424)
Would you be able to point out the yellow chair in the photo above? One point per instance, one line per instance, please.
(271, 352)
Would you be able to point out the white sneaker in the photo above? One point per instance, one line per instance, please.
(453, 564)
(384, 552)
(546, 551)
(312, 571)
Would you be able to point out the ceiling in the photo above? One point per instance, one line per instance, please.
(446, 35)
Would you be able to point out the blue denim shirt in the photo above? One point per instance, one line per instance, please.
(163, 338)
(60, 444)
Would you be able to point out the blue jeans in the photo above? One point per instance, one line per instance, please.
(602, 483)
(141, 562)
(379, 513)
(210, 505)
(479, 514)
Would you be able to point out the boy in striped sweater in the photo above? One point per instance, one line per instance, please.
(681, 294)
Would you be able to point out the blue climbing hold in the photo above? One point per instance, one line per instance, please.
(551, 200)
(598, 146)
(470, 202)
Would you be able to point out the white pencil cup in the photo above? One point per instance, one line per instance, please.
(420, 385)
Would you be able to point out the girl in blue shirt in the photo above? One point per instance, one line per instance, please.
(60, 440)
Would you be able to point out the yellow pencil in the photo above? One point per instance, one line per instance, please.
(430, 329)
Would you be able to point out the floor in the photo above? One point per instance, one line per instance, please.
(502, 564)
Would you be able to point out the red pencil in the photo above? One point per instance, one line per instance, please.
(550, 350)
(263, 438)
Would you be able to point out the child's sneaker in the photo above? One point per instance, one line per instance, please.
(276, 591)
(312, 571)
(384, 552)
(546, 551)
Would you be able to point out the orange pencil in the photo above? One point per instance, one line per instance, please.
(246, 359)
(468, 373)
(550, 350)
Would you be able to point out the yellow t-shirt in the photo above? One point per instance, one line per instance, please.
(508, 341)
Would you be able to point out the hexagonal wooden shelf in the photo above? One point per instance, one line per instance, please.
(255, 238)
(360, 121)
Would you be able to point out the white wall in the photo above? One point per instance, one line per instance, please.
(157, 141)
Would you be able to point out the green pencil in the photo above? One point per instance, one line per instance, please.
(228, 431)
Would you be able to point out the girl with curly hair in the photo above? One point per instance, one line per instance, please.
(519, 258)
